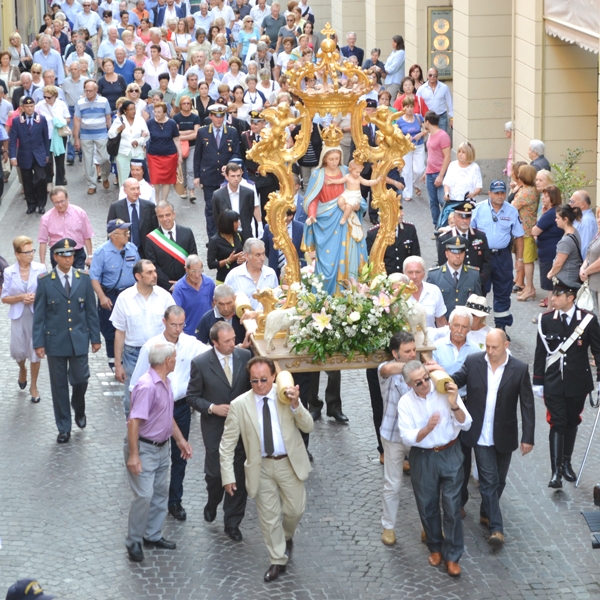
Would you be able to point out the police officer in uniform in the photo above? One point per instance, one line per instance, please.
(478, 251)
(111, 273)
(406, 244)
(562, 373)
(216, 145)
(265, 184)
(456, 280)
(65, 321)
(500, 222)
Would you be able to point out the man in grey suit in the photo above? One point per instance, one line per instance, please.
(238, 198)
(456, 280)
(214, 383)
(65, 321)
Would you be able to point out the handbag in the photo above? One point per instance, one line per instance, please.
(585, 298)
(185, 148)
(64, 131)
(113, 144)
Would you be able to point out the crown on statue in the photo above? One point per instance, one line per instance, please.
(332, 135)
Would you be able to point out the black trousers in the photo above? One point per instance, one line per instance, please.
(263, 193)
(59, 161)
(234, 506)
(564, 413)
(183, 417)
(36, 194)
(332, 392)
(107, 329)
(376, 404)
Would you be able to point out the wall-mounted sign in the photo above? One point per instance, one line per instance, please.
(439, 41)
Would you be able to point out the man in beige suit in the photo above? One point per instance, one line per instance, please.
(276, 459)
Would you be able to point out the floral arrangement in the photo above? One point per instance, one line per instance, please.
(361, 319)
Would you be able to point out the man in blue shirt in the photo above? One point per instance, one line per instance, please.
(112, 272)
(501, 223)
(124, 66)
(588, 226)
(50, 59)
(194, 293)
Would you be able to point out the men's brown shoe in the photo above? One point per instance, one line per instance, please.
(273, 572)
(453, 568)
(105, 184)
(388, 537)
(423, 537)
(381, 459)
(496, 539)
(406, 467)
(435, 559)
(484, 521)
(91, 191)
(463, 512)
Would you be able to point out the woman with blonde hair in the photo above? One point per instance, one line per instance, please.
(18, 291)
(127, 39)
(19, 52)
(133, 93)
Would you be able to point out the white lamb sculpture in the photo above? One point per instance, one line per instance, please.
(278, 320)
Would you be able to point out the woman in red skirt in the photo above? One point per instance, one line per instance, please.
(163, 151)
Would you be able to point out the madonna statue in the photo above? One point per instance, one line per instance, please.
(339, 255)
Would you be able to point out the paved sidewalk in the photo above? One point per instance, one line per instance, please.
(63, 509)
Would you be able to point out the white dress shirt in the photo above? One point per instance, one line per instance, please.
(569, 314)
(234, 197)
(171, 231)
(433, 301)
(147, 192)
(138, 317)
(493, 383)
(222, 358)
(188, 347)
(278, 444)
(64, 276)
(414, 413)
(241, 281)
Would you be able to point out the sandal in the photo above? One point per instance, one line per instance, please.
(544, 303)
(417, 191)
(517, 289)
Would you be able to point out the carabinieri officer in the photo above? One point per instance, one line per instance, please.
(65, 321)
(501, 223)
(111, 273)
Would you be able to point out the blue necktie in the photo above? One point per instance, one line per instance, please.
(135, 226)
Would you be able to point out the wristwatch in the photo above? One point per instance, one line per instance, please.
(210, 409)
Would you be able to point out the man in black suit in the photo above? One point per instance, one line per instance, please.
(140, 213)
(224, 310)
(562, 374)
(238, 198)
(478, 253)
(29, 149)
(26, 89)
(496, 382)
(276, 257)
(218, 377)
(168, 246)
(265, 184)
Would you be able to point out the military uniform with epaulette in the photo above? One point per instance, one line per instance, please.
(406, 243)
(65, 322)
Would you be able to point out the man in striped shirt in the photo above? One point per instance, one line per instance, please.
(90, 130)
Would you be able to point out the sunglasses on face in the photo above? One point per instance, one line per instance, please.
(262, 380)
(420, 382)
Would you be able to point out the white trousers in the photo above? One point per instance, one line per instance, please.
(414, 167)
(394, 453)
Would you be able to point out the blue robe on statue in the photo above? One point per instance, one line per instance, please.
(338, 255)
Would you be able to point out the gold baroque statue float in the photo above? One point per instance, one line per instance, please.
(339, 91)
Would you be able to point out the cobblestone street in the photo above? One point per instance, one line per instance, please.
(63, 508)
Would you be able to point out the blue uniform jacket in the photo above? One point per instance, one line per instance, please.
(34, 144)
(209, 160)
(65, 326)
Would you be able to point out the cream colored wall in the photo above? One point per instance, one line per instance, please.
(384, 19)
(349, 15)
(482, 79)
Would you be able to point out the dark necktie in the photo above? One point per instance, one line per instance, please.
(564, 318)
(456, 278)
(171, 236)
(67, 285)
(135, 225)
(30, 122)
(267, 429)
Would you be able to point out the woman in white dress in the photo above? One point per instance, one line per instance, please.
(18, 291)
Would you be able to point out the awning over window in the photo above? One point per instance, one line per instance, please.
(575, 21)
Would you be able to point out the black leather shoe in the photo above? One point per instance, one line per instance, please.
(289, 546)
(567, 471)
(70, 162)
(315, 414)
(22, 384)
(339, 416)
(135, 552)
(30, 211)
(162, 543)
(273, 573)
(178, 511)
(234, 533)
(209, 514)
(81, 421)
(63, 438)
(41, 210)
(310, 456)
(35, 399)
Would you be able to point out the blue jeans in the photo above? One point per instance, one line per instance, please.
(70, 147)
(443, 124)
(436, 198)
(129, 360)
(492, 467)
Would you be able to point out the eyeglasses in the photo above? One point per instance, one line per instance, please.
(432, 75)
(48, 97)
(36, 72)
(420, 382)
(28, 252)
(134, 91)
(58, 202)
(262, 380)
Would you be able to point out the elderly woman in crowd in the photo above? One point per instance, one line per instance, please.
(57, 116)
(111, 85)
(133, 93)
(567, 262)
(18, 291)
(235, 76)
(463, 177)
(139, 58)
(590, 269)
(543, 179)
(547, 235)
(80, 55)
(134, 135)
(128, 44)
(19, 52)
(526, 202)
(163, 151)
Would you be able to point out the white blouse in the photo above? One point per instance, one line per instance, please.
(129, 134)
(58, 109)
(462, 181)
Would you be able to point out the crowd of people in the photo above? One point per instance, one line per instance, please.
(168, 93)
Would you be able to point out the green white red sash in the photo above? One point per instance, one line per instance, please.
(168, 245)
